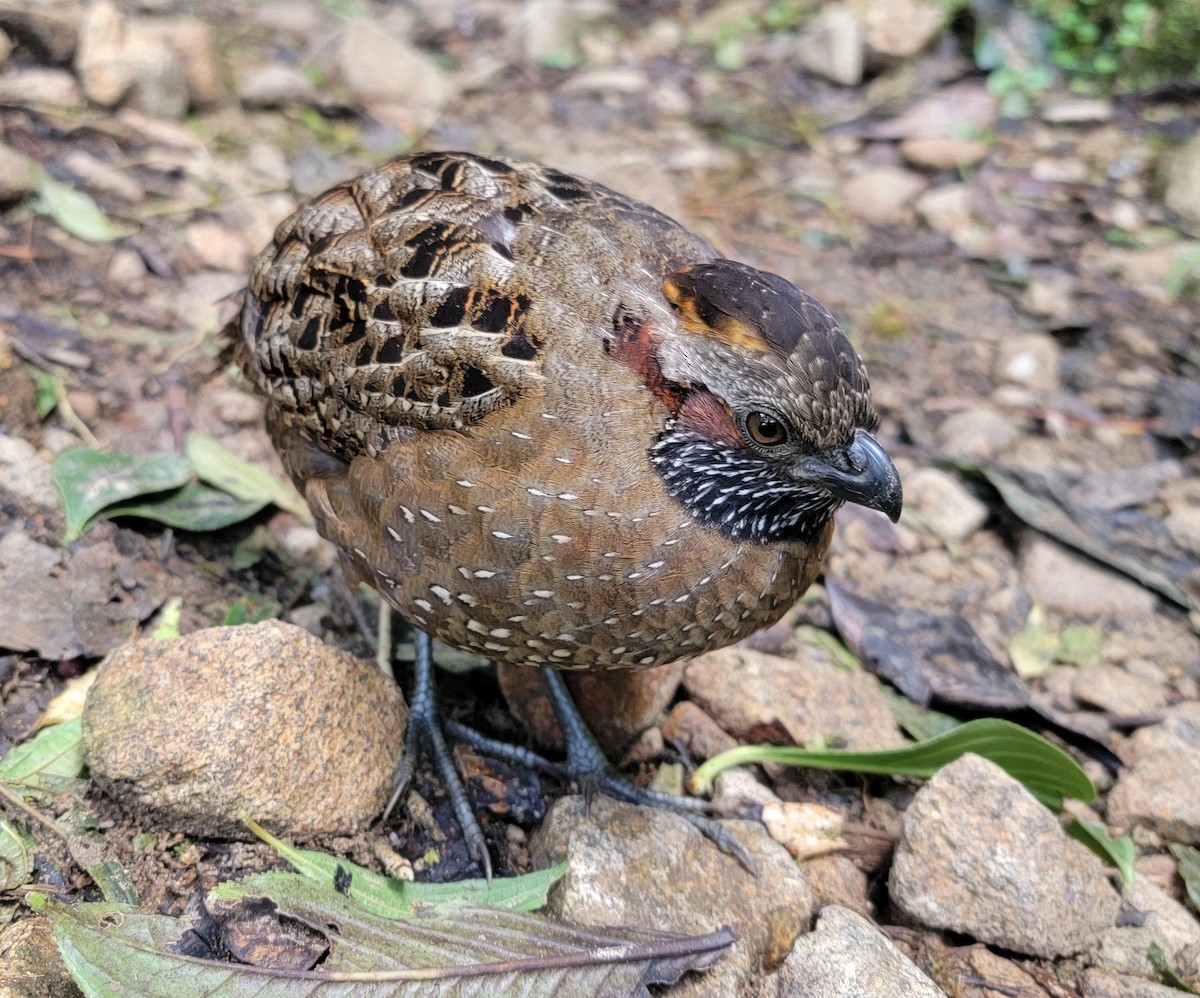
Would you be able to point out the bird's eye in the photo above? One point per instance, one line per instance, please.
(765, 430)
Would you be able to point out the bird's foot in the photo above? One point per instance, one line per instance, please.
(587, 767)
(425, 731)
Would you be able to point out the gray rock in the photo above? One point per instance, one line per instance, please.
(18, 175)
(1111, 688)
(121, 57)
(262, 719)
(791, 701)
(944, 503)
(979, 855)
(378, 66)
(648, 868)
(6, 47)
(192, 39)
(1095, 983)
(1093, 589)
(127, 269)
(943, 152)
(947, 210)
(159, 83)
(832, 44)
(1181, 193)
(1183, 525)
(276, 86)
(897, 29)
(977, 433)
(1161, 919)
(837, 880)
(303, 19)
(547, 31)
(881, 195)
(99, 176)
(35, 614)
(104, 72)
(39, 85)
(846, 956)
(1059, 170)
(1050, 294)
(1077, 110)
(1180, 725)
(1029, 360)
(1159, 792)
(25, 474)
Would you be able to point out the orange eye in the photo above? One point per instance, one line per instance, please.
(765, 430)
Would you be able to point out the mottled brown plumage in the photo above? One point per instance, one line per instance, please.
(467, 366)
(546, 422)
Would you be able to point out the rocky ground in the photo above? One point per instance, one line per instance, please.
(1024, 291)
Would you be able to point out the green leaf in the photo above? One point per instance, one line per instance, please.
(16, 856)
(52, 755)
(1032, 650)
(198, 508)
(1045, 770)
(818, 637)
(392, 898)
(88, 850)
(1188, 860)
(729, 53)
(250, 609)
(75, 212)
(46, 391)
(91, 480)
(564, 57)
(213, 463)
(114, 882)
(1081, 645)
(918, 722)
(112, 950)
(1120, 852)
(167, 624)
(1166, 973)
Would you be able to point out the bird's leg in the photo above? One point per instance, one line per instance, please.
(425, 730)
(586, 764)
(588, 767)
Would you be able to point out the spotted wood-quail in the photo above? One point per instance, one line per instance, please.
(552, 426)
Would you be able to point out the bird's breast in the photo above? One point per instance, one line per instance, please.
(544, 537)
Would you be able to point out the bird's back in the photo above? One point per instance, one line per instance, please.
(434, 290)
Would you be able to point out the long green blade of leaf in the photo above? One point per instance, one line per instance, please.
(52, 755)
(194, 507)
(90, 480)
(214, 463)
(75, 212)
(1120, 852)
(16, 856)
(1188, 859)
(392, 898)
(113, 950)
(1045, 770)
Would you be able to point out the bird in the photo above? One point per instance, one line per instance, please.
(553, 427)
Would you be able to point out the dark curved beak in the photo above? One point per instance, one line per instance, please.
(860, 472)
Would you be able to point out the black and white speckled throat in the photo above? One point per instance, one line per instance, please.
(737, 492)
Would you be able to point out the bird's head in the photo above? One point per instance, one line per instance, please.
(773, 422)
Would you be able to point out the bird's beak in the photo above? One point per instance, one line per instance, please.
(860, 473)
